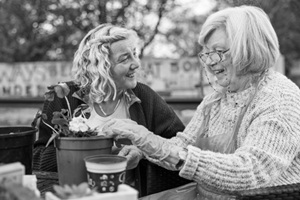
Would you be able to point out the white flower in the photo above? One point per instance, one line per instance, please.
(78, 124)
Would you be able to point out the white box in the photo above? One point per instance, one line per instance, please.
(12, 173)
(124, 192)
(30, 181)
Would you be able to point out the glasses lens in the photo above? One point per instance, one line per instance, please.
(215, 57)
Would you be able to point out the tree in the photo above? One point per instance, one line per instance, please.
(183, 24)
(184, 35)
(285, 17)
(34, 30)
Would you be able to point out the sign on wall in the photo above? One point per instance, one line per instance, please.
(30, 79)
(177, 77)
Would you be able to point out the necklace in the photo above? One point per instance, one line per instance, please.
(116, 106)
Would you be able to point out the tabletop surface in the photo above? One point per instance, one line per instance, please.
(46, 180)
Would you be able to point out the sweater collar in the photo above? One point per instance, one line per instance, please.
(239, 98)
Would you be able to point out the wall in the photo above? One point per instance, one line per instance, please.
(31, 79)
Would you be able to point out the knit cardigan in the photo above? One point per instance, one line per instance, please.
(268, 140)
(152, 112)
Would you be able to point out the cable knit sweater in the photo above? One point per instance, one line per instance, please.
(268, 140)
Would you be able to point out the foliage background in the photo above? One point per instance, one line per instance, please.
(48, 30)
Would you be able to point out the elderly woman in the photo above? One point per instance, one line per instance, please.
(244, 135)
(105, 78)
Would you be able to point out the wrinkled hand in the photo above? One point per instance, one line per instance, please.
(153, 145)
(133, 155)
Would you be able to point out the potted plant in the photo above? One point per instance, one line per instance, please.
(73, 138)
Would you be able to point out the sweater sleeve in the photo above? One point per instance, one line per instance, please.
(270, 145)
(44, 131)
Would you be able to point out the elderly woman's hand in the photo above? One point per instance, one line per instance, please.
(124, 128)
(133, 155)
(153, 145)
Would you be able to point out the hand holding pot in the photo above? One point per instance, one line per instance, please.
(133, 155)
(153, 145)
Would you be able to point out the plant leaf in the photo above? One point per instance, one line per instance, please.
(49, 96)
(60, 192)
(60, 121)
(62, 90)
(68, 189)
(83, 187)
(53, 136)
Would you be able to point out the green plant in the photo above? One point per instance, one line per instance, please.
(73, 191)
(66, 123)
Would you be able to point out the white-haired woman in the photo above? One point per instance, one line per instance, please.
(105, 71)
(244, 135)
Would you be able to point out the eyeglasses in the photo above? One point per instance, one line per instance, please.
(214, 56)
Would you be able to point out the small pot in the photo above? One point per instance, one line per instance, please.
(70, 153)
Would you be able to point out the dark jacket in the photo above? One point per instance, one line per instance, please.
(152, 112)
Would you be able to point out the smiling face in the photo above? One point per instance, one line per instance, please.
(224, 70)
(125, 62)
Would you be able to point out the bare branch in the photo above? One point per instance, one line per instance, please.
(155, 31)
(121, 11)
(103, 12)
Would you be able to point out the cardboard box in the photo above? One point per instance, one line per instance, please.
(12, 173)
(30, 181)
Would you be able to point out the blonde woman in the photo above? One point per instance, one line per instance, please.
(105, 71)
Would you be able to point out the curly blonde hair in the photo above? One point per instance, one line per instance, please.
(91, 64)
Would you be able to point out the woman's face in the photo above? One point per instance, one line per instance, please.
(222, 70)
(125, 62)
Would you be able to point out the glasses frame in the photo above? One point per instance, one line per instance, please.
(221, 55)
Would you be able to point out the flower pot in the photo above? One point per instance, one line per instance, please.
(105, 172)
(16, 145)
(70, 153)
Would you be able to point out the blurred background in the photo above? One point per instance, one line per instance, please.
(38, 39)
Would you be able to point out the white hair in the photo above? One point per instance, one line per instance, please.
(253, 42)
